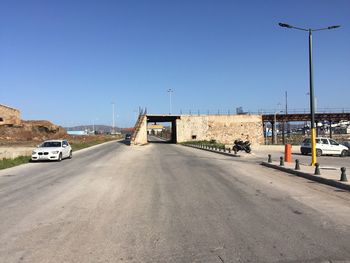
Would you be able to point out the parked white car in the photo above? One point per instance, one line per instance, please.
(324, 146)
(52, 150)
(347, 144)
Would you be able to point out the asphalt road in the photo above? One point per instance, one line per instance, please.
(167, 203)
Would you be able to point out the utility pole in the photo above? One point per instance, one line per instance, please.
(113, 122)
(285, 123)
(170, 106)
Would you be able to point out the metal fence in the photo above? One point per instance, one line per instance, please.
(258, 112)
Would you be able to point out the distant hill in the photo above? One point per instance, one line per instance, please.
(98, 128)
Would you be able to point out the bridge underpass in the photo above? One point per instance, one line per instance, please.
(223, 128)
(164, 119)
(220, 128)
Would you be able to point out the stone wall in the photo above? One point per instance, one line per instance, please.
(222, 128)
(9, 116)
(140, 134)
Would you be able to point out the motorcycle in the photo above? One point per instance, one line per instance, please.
(240, 145)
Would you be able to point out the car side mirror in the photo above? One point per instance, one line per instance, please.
(64, 146)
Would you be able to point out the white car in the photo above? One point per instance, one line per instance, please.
(52, 150)
(324, 146)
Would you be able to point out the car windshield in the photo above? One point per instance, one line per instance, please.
(306, 141)
(51, 144)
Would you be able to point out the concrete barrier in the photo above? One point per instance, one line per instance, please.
(13, 152)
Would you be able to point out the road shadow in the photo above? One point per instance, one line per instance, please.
(125, 142)
(159, 142)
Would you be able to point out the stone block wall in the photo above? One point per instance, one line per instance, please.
(9, 116)
(222, 128)
(140, 134)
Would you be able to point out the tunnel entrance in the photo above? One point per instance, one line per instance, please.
(162, 128)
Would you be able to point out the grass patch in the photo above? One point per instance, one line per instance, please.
(7, 163)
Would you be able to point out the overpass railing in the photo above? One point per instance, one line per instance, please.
(259, 111)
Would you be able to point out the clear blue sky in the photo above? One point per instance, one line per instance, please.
(66, 61)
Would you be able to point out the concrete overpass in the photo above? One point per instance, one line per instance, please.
(223, 128)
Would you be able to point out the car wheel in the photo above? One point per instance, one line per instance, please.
(318, 152)
(344, 153)
(59, 157)
(70, 154)
(303, 152)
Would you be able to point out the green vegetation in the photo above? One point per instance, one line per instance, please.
(7, 163)
(211, 143)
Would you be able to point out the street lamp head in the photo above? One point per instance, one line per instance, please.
(333, 27)
(285, 25)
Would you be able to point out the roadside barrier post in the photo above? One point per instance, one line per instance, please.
(288, 153)
(343, 175)
(269, 160)
(297, 165)
(317, 169)
(229, 150)
(281, 161)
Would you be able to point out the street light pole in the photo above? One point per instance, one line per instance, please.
(312, 97)
(275, 127)
(312, 104)
(170, 106)
(113, 108)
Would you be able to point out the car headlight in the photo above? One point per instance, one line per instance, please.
(55, 152)
(33, 152)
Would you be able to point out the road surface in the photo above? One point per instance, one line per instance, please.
(167, 203)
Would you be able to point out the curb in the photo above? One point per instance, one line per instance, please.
(222, 153)
(308, 176)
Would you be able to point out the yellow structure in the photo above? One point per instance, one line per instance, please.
(154, 128)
